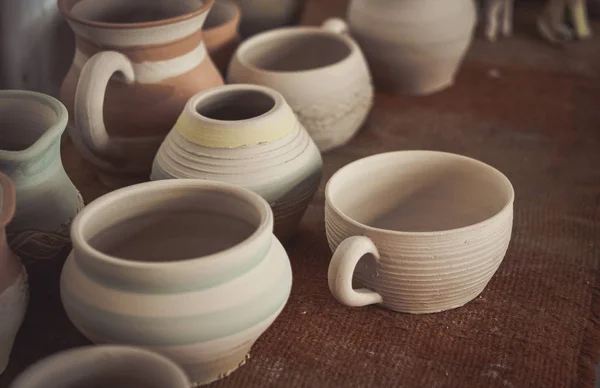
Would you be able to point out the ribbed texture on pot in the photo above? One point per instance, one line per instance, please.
(285, 172)
(429, 272)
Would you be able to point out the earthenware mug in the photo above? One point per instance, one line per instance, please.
(136, 64)
(106, 366)
(187, 268)
(420, 231)
(320, 71)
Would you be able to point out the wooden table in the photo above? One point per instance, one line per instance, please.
(526, 107)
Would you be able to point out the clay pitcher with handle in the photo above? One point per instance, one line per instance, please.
(136, 64)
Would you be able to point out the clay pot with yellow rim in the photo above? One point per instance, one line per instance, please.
(249, 136)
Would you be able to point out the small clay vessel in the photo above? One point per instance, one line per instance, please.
(432, 228)
(413, 46)
(158, 53)
(323, 76)
(246, 135)
(14, 293)
(221, 32)
(31, 126)
(262, 15)
(107, 366)
(186, 267)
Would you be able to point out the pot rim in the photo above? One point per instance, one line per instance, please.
(47, 367)
(292, 32)
(65, 7)
(147, 189)
(51, 134)
(330, 202)
(275, 123)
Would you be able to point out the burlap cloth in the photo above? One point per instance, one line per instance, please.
(525, 107)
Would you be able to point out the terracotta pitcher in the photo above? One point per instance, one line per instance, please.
(13, 278)
(136, 64)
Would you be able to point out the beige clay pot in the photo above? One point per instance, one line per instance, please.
(246, 135)
(432, 227)
(320, 71)
(187, 268)
(413, 46)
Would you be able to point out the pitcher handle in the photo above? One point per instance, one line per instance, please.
(336, 25)
(341, 269)
(89, 100)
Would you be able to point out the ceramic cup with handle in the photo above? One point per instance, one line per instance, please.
(419, 231)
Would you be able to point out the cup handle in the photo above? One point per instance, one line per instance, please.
(336, 25)
(342, 266)
(89, 100)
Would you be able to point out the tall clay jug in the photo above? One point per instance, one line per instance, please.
(31, 125)
(136, 64)
(13, 278)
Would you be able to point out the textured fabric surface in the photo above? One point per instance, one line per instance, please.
(531, 110)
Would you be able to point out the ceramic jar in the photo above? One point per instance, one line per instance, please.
(262, 15)
(135, 66)
(31, 125)
(187, 268)
(221, 32)
(323, 76)
(103, 366)
(36, 46)
(14, 293)
(246, 135)
(413, 46)
(432, 228)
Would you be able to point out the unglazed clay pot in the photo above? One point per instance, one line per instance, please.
(187, 268)
(246, 135)
(103, 367)
(31, 125)
(320, 71)
(432, 227)
(156, 53)
(413, 46)
(262, 15)
(221, 32)
(14, 293)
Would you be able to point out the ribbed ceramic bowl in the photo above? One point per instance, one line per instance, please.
(422, 231)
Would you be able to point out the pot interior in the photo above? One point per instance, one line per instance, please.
(295, 51)
(23, 121)
(221, 13)
(132, 11)
(420, 192)
(173, 225)
(235, 105)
